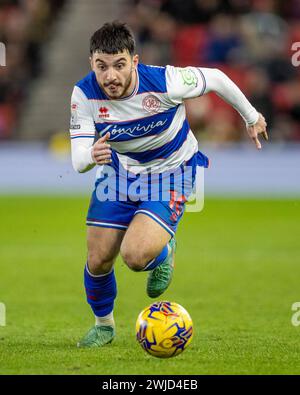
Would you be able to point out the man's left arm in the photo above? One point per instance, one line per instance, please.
(223, 86)
(191, 82)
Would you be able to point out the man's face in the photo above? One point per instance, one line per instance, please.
(115, 74)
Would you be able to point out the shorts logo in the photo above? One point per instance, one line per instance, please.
(103, 112)
(151, 104)
(177, 205)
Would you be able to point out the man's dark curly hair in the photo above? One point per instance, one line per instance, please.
(113, 38)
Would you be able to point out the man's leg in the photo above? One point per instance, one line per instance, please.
(100, 284)
(147, 246)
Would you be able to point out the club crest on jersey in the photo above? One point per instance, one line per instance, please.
(103, 112)
(151, 104)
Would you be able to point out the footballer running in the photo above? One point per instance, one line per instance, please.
(138, 113)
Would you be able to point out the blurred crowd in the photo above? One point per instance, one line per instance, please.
(25, 25)
(250, 40)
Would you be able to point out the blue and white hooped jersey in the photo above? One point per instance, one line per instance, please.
(149, 130)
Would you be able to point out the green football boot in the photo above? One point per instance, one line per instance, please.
(160, 278)
(97, 336)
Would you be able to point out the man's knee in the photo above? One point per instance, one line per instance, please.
(103, 247)
(135, 258)
(98, 263)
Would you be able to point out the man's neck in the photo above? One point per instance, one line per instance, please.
(132, 85)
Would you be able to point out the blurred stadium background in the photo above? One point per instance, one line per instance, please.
(47, 44)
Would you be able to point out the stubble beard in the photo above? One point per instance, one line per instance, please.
(124, 91)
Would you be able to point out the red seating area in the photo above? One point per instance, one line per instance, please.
(25, 25)
(249, 40)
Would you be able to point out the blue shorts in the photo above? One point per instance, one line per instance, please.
(115, 202)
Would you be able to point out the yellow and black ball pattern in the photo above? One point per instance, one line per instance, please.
(164, 329)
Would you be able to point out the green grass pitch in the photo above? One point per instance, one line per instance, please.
(237, 273)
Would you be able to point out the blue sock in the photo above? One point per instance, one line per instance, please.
(158, 260)
(101, 292)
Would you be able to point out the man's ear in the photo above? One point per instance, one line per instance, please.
(91, 62)
(135, 60)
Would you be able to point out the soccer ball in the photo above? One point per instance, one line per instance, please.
(164, 329)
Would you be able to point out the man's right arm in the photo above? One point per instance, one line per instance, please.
(85, 154)
(82, 132)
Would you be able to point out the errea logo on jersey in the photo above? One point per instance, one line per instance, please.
(103, 112)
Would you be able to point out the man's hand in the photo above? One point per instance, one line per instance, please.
(259, 128)
(101, 152)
